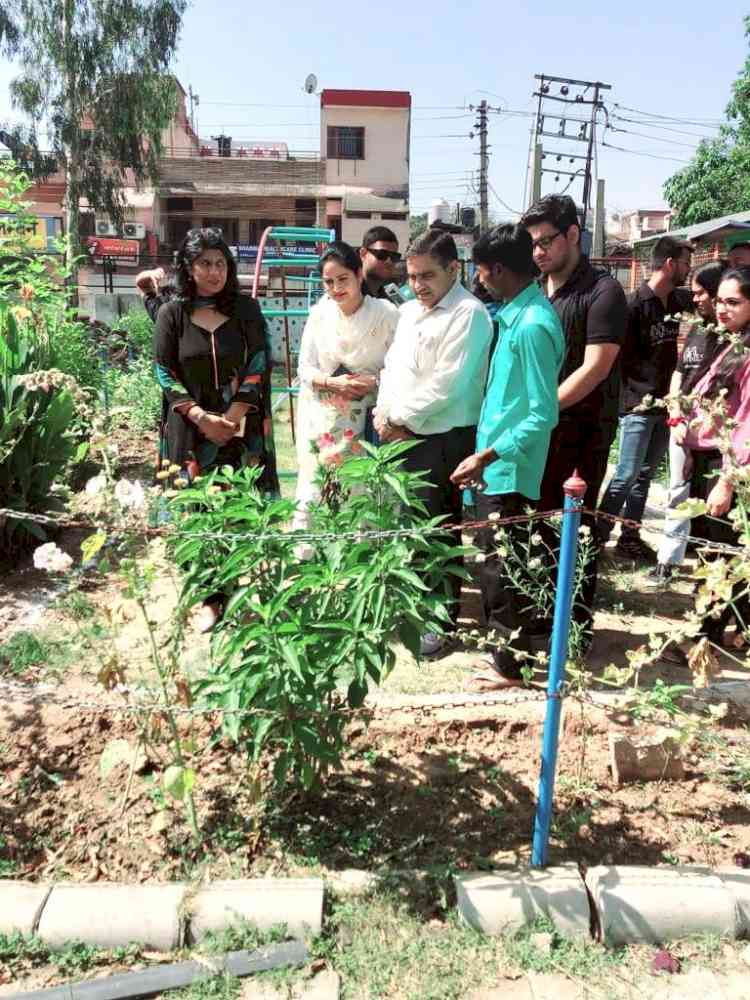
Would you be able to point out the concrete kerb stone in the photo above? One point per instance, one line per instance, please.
(737, 882)
(108, 915)
(660, 904)
(505, 901)
(21, 905)
(265, 903)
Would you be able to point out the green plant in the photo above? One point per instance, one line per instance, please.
(302, 638)
(36, 440)
(22, 950)
(134, 395)
(27, 650)
(138, 327)
(75, 957)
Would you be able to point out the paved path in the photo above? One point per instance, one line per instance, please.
(697, 984)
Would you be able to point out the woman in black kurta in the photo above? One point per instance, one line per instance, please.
(213, 365)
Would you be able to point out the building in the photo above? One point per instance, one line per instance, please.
(359, 178)
(364, 137)
(629, 227)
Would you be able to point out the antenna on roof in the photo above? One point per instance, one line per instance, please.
(311, 83)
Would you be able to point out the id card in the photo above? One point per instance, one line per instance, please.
(240, 432)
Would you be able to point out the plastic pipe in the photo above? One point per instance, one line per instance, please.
(574, 489)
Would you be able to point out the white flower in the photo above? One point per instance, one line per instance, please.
(130, 494)
(494, 516)
(536, 539)
(502, 552)
(480, 557)
(584, 531)
(51, 558)
(535, 563)
(96, 484)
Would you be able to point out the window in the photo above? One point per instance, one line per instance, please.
(179, 204)
(346, 142)
(359, 215)
(393, 216)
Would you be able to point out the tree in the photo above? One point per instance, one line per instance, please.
(417, 225)
(717, 180)
(95, 76)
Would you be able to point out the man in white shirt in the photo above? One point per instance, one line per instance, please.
(432, 385)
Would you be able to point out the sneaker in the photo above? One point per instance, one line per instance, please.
(432, 645)
(659, 577)
(633, 547)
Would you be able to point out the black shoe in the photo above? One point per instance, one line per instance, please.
(432, 646)
(633, 547)
(659, 577)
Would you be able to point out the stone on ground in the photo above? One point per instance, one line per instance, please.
(506, 901)
(265, 903)
(656, 759)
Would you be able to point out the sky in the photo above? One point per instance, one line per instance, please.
(248, 64)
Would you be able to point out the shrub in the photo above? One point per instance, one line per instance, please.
(37, 410)
(301, 640)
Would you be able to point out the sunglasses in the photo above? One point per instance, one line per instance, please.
(384, 255)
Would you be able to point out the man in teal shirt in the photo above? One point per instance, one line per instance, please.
(518, 414)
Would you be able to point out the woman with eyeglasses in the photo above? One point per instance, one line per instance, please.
(717, 442)
(212, 364)
(342, 353)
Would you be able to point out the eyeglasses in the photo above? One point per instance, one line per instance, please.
(383, 255)
(546, 241)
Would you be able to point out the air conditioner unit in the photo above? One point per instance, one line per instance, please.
(134, 231)
(105, 228)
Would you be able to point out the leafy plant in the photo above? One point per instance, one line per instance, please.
(302, 639)
(36, 442)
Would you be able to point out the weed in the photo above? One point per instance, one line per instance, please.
(76, 604)
(223, 987)
(26, 651)
(242, 936)
(76, 957)
(22, 951)
(578, 958)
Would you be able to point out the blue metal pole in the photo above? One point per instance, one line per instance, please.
(574, 488)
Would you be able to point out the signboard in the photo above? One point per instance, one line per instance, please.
(37, 233)
(249, 251)
(464, 245)
(119, 251)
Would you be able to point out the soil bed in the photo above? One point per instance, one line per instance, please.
(415, 792)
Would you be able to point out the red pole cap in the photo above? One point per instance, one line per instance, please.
(575, 486)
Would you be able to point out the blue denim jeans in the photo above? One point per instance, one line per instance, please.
(644, 439)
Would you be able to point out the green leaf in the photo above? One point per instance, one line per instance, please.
(178, 781)
(692, 508)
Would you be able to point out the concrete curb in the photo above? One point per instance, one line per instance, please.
(159, 916)
(616, 904)
(506, 901)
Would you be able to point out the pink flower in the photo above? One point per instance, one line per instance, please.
(330, 457)
(326, 440)
(356, 448)
(349, 434)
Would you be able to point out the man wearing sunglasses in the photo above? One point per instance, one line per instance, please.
(380, 254)
(593, 312)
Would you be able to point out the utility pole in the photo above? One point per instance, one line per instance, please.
(480, 126)
(566, 125)
(599, 220)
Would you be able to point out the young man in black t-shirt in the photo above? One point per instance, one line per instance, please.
(592, 310)
(649, 358)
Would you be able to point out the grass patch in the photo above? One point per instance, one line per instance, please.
(21, 952)
(26, 652)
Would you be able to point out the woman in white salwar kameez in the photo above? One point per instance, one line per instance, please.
(343, 349)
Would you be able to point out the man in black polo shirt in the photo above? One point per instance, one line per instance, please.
(379, 253)
(592, 310)
(649, 358)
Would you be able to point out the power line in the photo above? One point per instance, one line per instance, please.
(636, 152)
(652, 138)
(664, 128)
(503, 203)
(698, 122)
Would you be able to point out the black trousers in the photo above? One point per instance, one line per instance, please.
(505, 607)
(582, 446)
(702, 480)
(438, 455)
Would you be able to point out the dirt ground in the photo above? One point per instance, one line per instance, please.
(453, 787)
